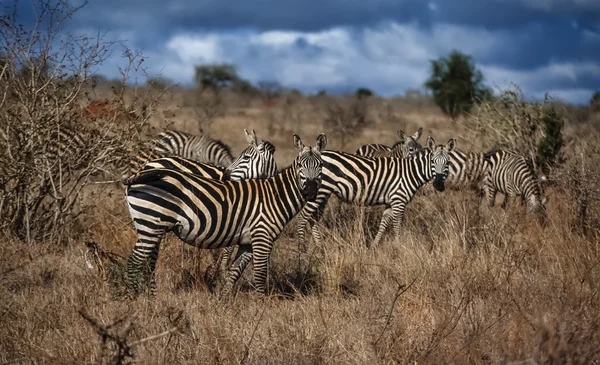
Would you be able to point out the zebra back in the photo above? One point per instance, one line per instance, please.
(369, 150)
(404, 148)
(200, 148)
(466, 169)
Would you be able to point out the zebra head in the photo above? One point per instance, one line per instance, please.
(308, 165)
(439, 161)
(407, 146)
(256, 161)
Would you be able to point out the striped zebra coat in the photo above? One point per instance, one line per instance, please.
(257, 161)
(200, 148)
(387, 181)
(511, 175)
(214, 214)
(404, 148)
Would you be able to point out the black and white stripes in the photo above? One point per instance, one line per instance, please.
(381, 181)
(212, 214)
(404, 148)
(199, 148)
(511, 175)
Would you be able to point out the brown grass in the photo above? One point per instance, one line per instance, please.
(464, 284)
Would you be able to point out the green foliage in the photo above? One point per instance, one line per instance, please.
(456, 84)
(216, 76)
(322, 92)
(595, 100)
(363, 93)
(550, 144)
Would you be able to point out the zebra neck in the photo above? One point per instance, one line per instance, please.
(286, 191)
(420, 167)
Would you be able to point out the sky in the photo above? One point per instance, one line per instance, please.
(339, 45)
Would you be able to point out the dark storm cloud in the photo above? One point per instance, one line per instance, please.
(339, 44)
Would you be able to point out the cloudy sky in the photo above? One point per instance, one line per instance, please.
(386, 45)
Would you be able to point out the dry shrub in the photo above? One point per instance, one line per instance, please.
(49, 146)
(346, 117)
(531, 129)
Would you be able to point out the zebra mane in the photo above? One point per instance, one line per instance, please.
(269, 146)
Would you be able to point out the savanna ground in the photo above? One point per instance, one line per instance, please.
(463, 284)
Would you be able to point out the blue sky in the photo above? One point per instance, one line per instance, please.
(386, 45)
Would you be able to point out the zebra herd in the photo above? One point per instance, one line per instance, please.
(192, 186)
(249, 203)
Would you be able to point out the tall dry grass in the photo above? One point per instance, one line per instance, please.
(464, 284)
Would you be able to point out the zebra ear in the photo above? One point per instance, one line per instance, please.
(417, 135)
(430, 143)
(298, 143)
(401, 135)
(251, 137)
(451, 144)
(321, 142)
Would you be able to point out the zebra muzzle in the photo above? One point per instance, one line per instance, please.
(438, 183)
(310, 190)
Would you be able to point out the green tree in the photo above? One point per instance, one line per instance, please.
(456, 84)
(363, 92)
(549, 146)
(216, 76)
(595, 100)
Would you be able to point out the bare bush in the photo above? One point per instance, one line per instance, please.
(346, 118)
(49, 146)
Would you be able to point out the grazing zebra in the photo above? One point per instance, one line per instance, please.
(199, 148)
(381, 181)
(404, 148)
(255, 162)
(161, 149)
(213, 214)
(511, 174)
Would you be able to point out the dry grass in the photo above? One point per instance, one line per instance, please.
(463, 285)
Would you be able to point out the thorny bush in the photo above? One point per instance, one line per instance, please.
(49, 145)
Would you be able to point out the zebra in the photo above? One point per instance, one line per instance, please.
(255, 162)
(200, 148)
(404, 148)
(182, 145)
(385, 181)
(511, 174)
(213, 214)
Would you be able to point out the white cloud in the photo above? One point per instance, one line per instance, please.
(540, 80)
(389, 58)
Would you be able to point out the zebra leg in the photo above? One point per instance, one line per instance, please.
(490, 191)
(310, 214)
(509, 199)
(385, 222)
(262, 245)
(228, 251)
(398, 207)
(241, 260)
(152, 269)
(144, 253)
